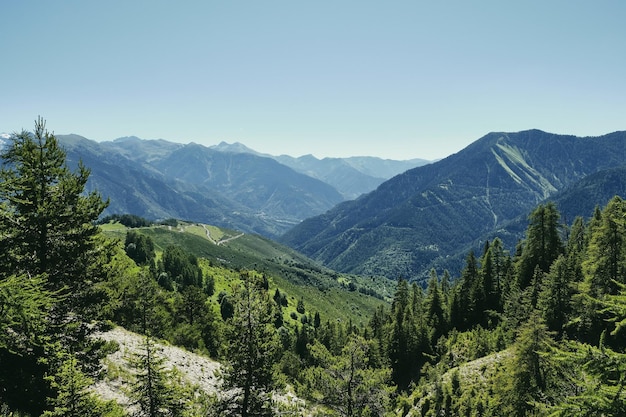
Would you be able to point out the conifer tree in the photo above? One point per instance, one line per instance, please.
(596, 374)
(48, 222)
(24, 304)
(155, 391)
(48, 233)
(542, 245)
(530, 371)
(556, 296)
(181, 267)
(435, 313)
(252, 352)
(462, 306)
(348, 383)
(606, 263)
(577, 241)
(140, 248)
(492, 275)
(73, 397)
(603, 269)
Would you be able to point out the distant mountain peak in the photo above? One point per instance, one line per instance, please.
(127, 139)
(236, 147)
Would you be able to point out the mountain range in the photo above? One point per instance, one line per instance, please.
(227, 185)
(362, 215)
(351, 176)
(430, 216)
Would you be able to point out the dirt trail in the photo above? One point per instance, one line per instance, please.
(219, 242)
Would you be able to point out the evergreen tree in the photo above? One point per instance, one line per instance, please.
(253, 350)
(154, 391)
(48, 222)
(347, 383)
(489, 289)
(462, 307)
(542, 245)
(435, 313)
(140, 248)
(530, 371)
(596, 375)
(446, 288)
(401, 350)
(606, 263)
(24, 304)
(73, 398)
(577, 242)
(48, 238)
(181, 267)
(556, 296)
(408, 341)
(603, 270)
(300, 306)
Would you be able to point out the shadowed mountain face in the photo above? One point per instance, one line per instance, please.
(415, 220)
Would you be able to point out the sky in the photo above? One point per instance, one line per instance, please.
(393, 79)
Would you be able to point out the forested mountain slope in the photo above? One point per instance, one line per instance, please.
(424, 214)
(577, 199)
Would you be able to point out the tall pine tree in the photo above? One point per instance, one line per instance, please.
(542, 245)
(252, 351)
(48, 233)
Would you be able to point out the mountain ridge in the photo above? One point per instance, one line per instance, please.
(351, 176)
(409, 221)
(241, 190)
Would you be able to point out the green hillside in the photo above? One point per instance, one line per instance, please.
(338, 296)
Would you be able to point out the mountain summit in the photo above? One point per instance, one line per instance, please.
(412, 222)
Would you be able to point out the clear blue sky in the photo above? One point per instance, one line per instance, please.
(395, 79)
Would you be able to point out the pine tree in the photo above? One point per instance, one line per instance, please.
(140, 248)
(492, 274)
(181, 267)
(24, 305)
(462, 307)
(347, 383)
(252, 352)
(542, 245)
(596, 376)
(48, 221)
(603, 269)
(401, 346)
(435, 313)
(556, 296)
(48, 236)
(530, 371)
(606, 253)
(154, 391)
(73, 398)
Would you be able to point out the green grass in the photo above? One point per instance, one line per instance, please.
(322, 290)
